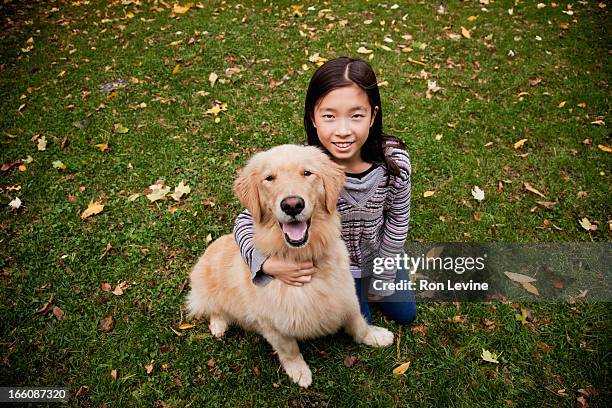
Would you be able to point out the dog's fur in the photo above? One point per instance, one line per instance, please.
(221, 285)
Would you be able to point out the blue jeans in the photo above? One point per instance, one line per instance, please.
(399, 307)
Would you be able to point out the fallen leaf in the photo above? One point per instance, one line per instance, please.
(364, 50)
(605, 148)
(102, 147)
(92, 209)
(47, 307)
(158, 192)
(176, 69)
(8, 166)
(561, 104)
(428, 193)
(530, 288)
(208, 238)
(180, 191)
(549, 205)
(105, 325)
(121, 129)
(519, 278)
(420, 329)
(186, 326)
(181, 10)
(520, 143)
(478, 194)
(472, 18)
(530, 188)
(149, 368)
(58, 165)
(212, 78)
(466, 33)
(133, 197)
(120, 288)
(42, 144)
(401, 369)
(582, 402)
(15, 203)
(489, 356)
(58, 313)
(113, 374)
(586, 224)
(349, 361)
(456, 319)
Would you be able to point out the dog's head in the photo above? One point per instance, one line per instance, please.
(286, 186)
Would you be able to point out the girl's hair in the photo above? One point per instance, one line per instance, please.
(346, 71)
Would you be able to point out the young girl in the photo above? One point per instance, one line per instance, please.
(343, 116)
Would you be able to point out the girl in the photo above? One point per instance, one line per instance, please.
(343, 116)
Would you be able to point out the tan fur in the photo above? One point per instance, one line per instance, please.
(221, 286)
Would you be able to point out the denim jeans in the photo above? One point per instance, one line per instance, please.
(399, 307)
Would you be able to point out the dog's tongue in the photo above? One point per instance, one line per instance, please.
(295, 230)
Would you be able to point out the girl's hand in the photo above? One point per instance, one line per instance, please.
(291, 273)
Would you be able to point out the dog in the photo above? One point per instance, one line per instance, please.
(291, 192)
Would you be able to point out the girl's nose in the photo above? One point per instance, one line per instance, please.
(343, 128)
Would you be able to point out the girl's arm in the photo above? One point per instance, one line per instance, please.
(243, 234)
(397, 218)
(289, 272)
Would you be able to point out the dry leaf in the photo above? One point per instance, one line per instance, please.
(349, 361)
(47, 307)
(478, 194)
(520, 143)
(92, 209)
(121, 286)
(519, 278)
(113, 374)
(186, 326)
(102, 146)
(364, 50)
(605, 148)
(180, 191)
(428, 193)
(586, 224)
(182, 9)
(561, 104)
(158, 191)
(176, 69)
(530, 288)
(546, 204)
(530, 188)
(105, 325)
(490, 357)
(401, 369)
(212, 78)
(149, 368)
(58, 313)
(466, 33)
(133, 197)
(15, 203)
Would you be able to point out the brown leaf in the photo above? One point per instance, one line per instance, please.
(558, 284)
(420, 329)
(349, 361)
(582, 402)
(105, 325)
(456, 319)
(211, 363)
(543, 346)
(530, 188)
(546, 204)
(106, 287)
(535, 81)
(47, 307)
(10, 165)
(58, 313)
(113, 374)
(148, 368)
(530, 288)
(92, 209)
(121, 286)
(399, 370)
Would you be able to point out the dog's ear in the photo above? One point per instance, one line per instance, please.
(333, 183)
(246, 189)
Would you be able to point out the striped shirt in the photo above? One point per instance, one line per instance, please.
(374, 210)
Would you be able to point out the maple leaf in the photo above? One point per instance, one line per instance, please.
(478, 194)
(158, 191)
(92, 209)
(180, 191)
(586, 224)
(490, 357)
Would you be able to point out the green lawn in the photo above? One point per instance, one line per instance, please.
(534, 73)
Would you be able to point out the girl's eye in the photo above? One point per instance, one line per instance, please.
(328, 116)
(307, 173)
(358, 116)
(270, 178)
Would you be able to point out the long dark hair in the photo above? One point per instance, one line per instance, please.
(346, 71)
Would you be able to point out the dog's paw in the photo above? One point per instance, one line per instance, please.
(217, 327)
(299, 372)
(378, 337)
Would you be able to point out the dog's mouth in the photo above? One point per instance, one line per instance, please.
(296, 232)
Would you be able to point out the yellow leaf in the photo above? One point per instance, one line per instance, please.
(530, 288)
(582, 105)
(182, 9)
(605, 148)
(122, 129)
(416, 62)
(102, 146)
(176, 69)
(466, 33)
(488, 356)
(530, 188)
(520, 143)
(401, 369)
(428, 193)
(186, 326)
(472, 18)
(523, 94)
(562, 104)
(92, 209)
(564, 26)
(214, 110)
(586, 224)
(129, 15)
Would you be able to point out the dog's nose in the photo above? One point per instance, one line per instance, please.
(292, 205)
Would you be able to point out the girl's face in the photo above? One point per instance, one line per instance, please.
(343, 118)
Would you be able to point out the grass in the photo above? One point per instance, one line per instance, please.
(47, 249)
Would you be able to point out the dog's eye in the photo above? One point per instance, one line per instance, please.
(307, 173)
(270, 178)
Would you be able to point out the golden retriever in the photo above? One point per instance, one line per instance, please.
(291, 192)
